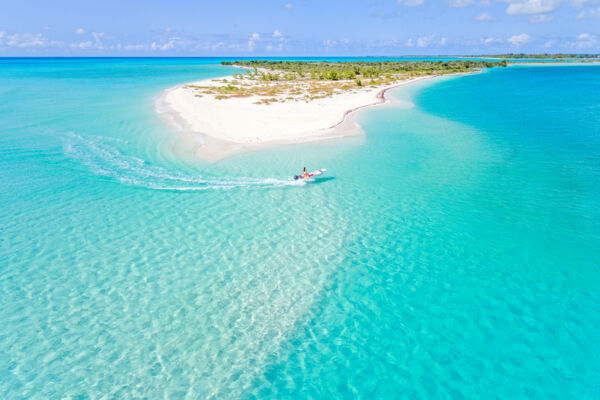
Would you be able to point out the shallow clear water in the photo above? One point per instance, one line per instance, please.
(451, 252)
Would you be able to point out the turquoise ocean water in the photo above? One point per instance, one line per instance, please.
(451, 252)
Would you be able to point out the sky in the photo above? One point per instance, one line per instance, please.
(297, 27)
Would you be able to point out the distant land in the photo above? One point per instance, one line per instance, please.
(540, 56)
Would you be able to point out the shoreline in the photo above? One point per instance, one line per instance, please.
(382, 99)
(197, 131)
(553, 63)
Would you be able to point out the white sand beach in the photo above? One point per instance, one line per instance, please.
(232, 125)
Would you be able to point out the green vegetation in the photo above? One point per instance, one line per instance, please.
(273, 91)
(280, 81)
(334, 71)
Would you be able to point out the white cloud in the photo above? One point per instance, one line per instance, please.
(489, 41)
(585, 40)
(461, 3)
(540, 18)
(271, 47)
(425, 41)
(279, 41)
(594, 13)
(134, 47)
(80, 31)
(168, 45)
(98, 40)
(410, 3)
(82, 45)
(99, 44)
(329, 43)
(531, 6)
(485, 17)
(516, 7)
(28, 40)
(210, 46)
(288, 6)
(519, 40)
(581, 42)
(388, 43)
(252, 41)
(217, 45)
(102, 42)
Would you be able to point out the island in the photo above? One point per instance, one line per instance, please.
(283, 102)
(543, 56)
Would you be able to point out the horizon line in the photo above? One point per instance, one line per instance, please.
(315, 56)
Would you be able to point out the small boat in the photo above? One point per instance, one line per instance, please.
(310, 174)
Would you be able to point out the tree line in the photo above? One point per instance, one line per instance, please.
(324, 70)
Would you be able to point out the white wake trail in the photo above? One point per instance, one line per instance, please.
(104, 159)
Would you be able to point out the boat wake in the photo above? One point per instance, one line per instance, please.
(104, 159)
